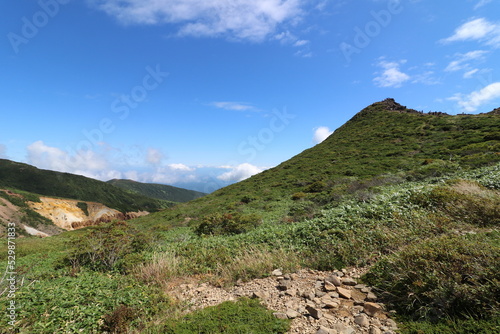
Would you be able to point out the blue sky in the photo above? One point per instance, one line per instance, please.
(201, 94)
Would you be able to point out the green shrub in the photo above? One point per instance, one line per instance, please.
(298, 196)
(449, 276)
(243, 316)
(227, 223)
(464, 201)
(84, 207)
(316, 187)
(105, 247)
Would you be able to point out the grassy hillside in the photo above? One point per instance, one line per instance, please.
(384, 143)
(159, 191)
(414, 198)
(49, 183)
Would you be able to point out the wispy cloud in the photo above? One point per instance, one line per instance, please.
(391, 76)
(473, 101)
(241, 19)
(462, 60)
(237, 106)
(481, 4)
(154, 156)
(480, 30)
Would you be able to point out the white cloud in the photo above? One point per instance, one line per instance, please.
(476, 99)
(481, 4)
(181, 167)
(53, 158)
(469, 74)
(240, 173)
(391, 75)
(321, 133)
(3, 150)
(237, 106)
(242, 19)
(480, 30)
(301, 42)
(154, 156)
(462, 60)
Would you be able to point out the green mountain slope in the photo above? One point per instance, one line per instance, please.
(159, 191)
(414, 199)
(385, 142)
(49, 183)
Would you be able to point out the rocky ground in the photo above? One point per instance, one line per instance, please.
(317, 302)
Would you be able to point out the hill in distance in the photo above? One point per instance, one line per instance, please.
(158, 191)
(28, 178)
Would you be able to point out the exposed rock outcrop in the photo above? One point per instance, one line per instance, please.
(69, 215)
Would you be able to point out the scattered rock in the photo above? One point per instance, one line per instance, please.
(277, 272)
(280, 315)
(349, 281)
(343, 329)
(362, 320)
(344, 293)
(311, 299)
(335, 280)
(314, 312)
(329, 286)
(372, 309)
(292, 314)
(371, 297)
(323, 330)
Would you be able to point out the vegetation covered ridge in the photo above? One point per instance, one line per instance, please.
(158, 191)
(50, 183)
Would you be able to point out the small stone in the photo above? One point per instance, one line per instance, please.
(323, 330)
(260, 294)
(319, 293)
(349, 281)
(374, 330)
(372, 309)
(280, 315)
(362, 320)
(343, 329)
(329, 286)
(391, 324)
(344, 293)
(283, 285)
(334, 294)
(277, 272)
(371, 297)
(331, 304)
(335, 280)
(292, 314)
(359, 286)
(314, 312)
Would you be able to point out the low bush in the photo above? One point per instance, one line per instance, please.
(227, 224)
(448, 276)
(243, 316)
(105, 247)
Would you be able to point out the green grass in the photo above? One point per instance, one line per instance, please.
(378, 192)
(243, 316)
